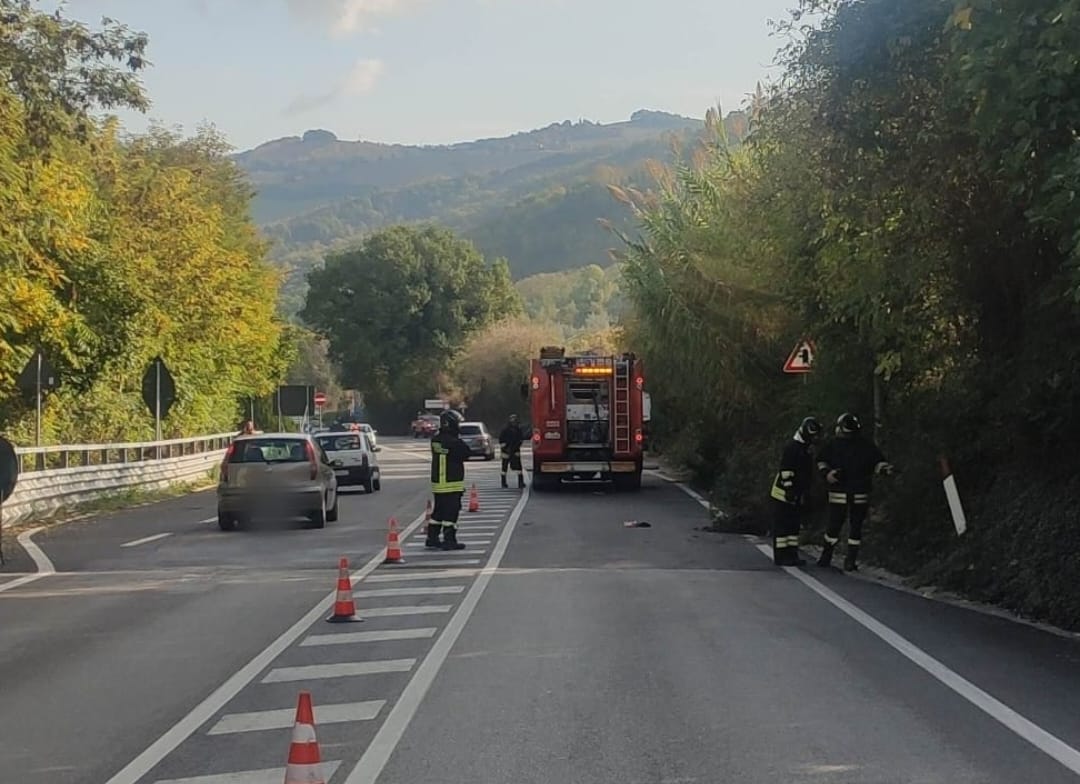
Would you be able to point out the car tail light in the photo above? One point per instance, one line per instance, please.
(314, 462)
(225, 463)
(638, 437)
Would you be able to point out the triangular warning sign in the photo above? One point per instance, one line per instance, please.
(801, 359)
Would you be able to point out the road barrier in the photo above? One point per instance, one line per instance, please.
(54, 477)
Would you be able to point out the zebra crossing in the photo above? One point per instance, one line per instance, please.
(355, 675)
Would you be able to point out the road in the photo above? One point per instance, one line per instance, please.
(560, 646)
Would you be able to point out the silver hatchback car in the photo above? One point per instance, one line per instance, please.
(275, 475)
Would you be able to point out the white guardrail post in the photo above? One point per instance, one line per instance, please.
(54, 477)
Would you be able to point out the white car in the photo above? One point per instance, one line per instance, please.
(353, 458)
(371, 433)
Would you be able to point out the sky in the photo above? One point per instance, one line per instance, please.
(437, 71)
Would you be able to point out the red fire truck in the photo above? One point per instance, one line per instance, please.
(587, 418)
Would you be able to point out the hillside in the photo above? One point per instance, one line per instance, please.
(534, 197)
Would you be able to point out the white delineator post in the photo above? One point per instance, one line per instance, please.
(953, 496)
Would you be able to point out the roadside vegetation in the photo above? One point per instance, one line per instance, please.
(906, 198)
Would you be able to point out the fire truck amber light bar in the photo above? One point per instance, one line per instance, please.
(593, 371)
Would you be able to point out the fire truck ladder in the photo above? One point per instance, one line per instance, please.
(622, 406)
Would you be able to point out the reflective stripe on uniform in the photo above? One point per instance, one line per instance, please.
(860, 498)
(779, 494)
(837, 498)
(831, 540)
(440, 485)
(854, 542)
(787, 474)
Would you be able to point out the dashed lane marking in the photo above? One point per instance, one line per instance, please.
(348, 638)
(310, 672)
(268, 776)
(146, 539)
(257, 721)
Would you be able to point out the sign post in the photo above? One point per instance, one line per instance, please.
(158, 393)
(37, 378)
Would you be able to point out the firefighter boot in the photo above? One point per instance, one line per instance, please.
(433, 529)
(851, 560)
(450, 541)
(521, 480)
(826, 556)
(794, 559)
(504, 484)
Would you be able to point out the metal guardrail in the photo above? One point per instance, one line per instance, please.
(43, 458)
(54, 477)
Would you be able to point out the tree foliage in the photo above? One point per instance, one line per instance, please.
(906, 198)
(398, 307)
(115, 250)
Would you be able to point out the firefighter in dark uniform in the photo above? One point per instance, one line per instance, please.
(849, 463)
(791, 490)
(510, 440)
(448, 457)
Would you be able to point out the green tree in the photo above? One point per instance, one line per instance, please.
(398, 307)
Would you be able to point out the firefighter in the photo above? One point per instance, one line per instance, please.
(791, 490)
(247, 429)
(448, 456)
(849, 463)
(510, 440)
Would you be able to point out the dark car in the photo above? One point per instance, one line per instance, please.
(479, 440)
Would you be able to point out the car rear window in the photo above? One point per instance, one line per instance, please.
(341, 443)
(269, 450)
(471, 430)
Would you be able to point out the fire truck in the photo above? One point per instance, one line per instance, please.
(587, 415)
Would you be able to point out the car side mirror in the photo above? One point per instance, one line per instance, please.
(378, 449)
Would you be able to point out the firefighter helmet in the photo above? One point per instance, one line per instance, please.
(810, 429)
(450, 421)
(848, 425)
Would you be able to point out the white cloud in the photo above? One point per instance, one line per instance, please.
(346, 17)
(360, 79)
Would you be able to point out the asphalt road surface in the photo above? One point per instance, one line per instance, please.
(560, 646)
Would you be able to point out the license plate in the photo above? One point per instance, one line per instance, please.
(341, 473)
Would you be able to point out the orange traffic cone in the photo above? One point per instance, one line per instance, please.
(393, 545)
(474, 499)
(344, 606)
(304, 765)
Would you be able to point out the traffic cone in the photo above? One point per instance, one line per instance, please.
(344, 606)
(474, 499)
(304, 765)
(393, 545)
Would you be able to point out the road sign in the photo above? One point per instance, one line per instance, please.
(158, 388)
(320, 399)
(801, 359)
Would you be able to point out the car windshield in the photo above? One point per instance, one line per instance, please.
(341, 443)
(269, 450)
(471, 430)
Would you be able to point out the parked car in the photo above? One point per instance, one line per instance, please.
(274, 475)
(479, 440)
(354, 459)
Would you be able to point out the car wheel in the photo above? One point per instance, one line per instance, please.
(332, 513)
(369, 484)
(377, 483)
(226, 521)
(318, 516)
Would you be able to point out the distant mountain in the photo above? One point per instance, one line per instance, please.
(533, 197)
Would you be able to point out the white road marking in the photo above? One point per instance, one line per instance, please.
(205, 710)
(446, 554)
(378, 752)
(471, 543)
(281, 719)
(418, 591)
(449, 574)
(268, 776)
(348, 638)
(422, 609)
(145, 539)
(310, 672)
(465, 562)
(44, 566)
(1026, 729)
(208, 520)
